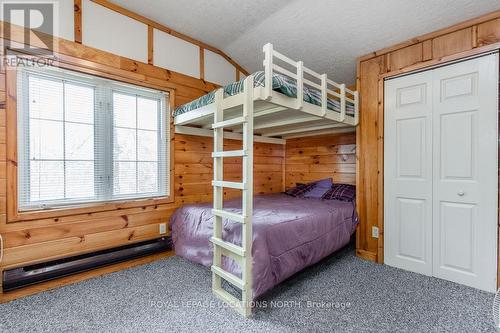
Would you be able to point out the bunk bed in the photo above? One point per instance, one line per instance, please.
(283, 101)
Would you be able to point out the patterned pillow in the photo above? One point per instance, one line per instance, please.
(299, 190)
(320, 188)
(342, 192)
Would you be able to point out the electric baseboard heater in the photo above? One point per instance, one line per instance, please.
(24, 276)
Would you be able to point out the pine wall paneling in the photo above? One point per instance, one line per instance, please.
(194, 171)
(318, 157)
(464, 39)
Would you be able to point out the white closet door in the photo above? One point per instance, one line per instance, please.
(408, 173)
(465, 183)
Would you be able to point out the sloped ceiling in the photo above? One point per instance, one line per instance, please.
(327, 35)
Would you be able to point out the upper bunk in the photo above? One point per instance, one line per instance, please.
(290, 100)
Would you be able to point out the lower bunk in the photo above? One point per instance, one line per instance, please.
(289, 234)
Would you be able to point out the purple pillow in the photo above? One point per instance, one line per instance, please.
(320, 188)
(299, 190)
(342, 192)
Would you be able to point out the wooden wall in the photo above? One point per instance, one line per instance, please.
(194, 172)
(461, 40)
(318, 157)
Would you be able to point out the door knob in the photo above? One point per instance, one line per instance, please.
(461, 193)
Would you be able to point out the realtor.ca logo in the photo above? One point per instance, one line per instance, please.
(29, 27)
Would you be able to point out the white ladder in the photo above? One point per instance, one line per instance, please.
(241, 254)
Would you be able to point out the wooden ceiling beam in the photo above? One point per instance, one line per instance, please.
(78, 20)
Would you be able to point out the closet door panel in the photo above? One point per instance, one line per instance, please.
(410, 148)
(465, 172)
(410, 215)
(457, 144)
(457, 236)
(408, 173)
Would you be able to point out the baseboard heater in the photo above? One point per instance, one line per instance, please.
(24, 276)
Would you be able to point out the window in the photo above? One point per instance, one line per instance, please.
(85, 139)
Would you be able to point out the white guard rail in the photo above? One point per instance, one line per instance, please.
(327, 87)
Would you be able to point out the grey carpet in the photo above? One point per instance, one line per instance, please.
(174, 295)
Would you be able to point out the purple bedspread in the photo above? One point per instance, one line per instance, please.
(289, 234)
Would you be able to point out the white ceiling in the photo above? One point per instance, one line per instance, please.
(327, 35)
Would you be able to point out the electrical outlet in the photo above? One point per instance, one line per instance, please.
(163, 228)
(375, 232)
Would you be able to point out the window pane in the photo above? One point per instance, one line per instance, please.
(46, 139)
(125, 144)
(45, 98)
(79, 179)
(79, 141)
(147, 145)
(124, 180)
(46, 180)
(124, 110)
(147, 177)
(135, 145)
(147, 113)
(74, 149)
(79, 103)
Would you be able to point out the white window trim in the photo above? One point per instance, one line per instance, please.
(103, 121)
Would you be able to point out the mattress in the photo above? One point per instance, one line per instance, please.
(289, 234)
(281, 83)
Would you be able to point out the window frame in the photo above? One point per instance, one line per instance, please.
(104, 125)
(11, 148)
(23, 153)
(163, 141)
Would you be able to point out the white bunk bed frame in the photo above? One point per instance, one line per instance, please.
(259, 110)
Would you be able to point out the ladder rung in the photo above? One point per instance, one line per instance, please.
(230, 153)
(228, 246)
(231, 278)
(236, 258)
(233, 301)
(230, 122)
(229, 215)
(220, 183)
